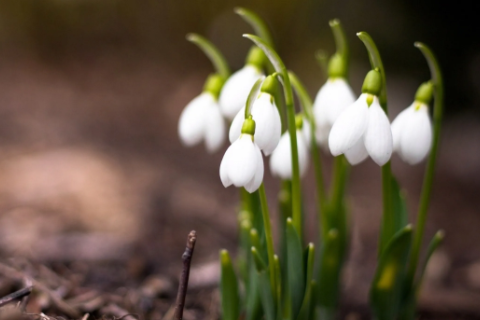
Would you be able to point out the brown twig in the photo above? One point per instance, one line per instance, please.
(182, 287)
(15, 295)
(57, 301)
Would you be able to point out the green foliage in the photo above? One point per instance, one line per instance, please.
(229, 288)
(388, 283)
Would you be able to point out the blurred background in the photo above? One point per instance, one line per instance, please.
(92, 169)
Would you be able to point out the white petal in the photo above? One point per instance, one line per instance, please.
(255, 183)
(357, 153)
(214, 129)
(321, 134)
(320, 105)
(338, 98)
(236, 126)
(235, 91)
(267, 123)
(349, 127)
(307, 132)
(191, 125)
(398, 125)
(226, 181)
(281, 159)
(378, 136)
(242, 162)
(416, 138)
(303, 156)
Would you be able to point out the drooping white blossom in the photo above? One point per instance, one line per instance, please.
(362, 130)
(268, 123)
(242, 164)
(332, 99)
(412, 133)
(201, 120)
(281, 158)
(235, 91)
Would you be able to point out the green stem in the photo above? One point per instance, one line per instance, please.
(257, 24)
(322, 59)
(307, 105)
(212, 52)
(428, 179)
(288, 92)
(268, 236)
(340, 169)
(252, 96)
(341, 42)
(387, 230)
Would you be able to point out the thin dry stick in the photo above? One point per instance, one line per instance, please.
(182, 287)
(15, 295)
(57, 301)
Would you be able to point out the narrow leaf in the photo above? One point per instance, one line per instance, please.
(307, 300)
(295, 268)
(386, 290)
(228, 288)
(434, 244)
(331, 259)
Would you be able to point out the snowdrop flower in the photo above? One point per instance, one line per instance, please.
(412, 128)
(281, 159)
(242, 164)
(201, 119)
(332, 99)
(267, 119)
(363, 129)
(236, 89)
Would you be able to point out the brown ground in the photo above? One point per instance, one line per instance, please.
(97, 196)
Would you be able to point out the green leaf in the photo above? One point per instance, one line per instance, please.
(260, 265)
(212, 52)
(228, 288)
(307, 300)
(266, 295)
(434, 244)
(295, 269)
(331, 259)
(253, 307)
(388, 283)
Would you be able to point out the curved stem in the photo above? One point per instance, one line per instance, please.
(288, 92)
(268, 236)
(428, 179)
(252, 96)
(376, 62)
(387, 230)
(258, 25)
(341, 42)
(322, 59)
(307, 104)
(212, 52)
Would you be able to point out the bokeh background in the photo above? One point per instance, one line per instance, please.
(92, 169)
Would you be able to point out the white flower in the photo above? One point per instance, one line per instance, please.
(412, 133)
(268, 123)
(281, 159)
(201, 120)
(362, 130)
(332, 99)
(235, 91)
(242, 164)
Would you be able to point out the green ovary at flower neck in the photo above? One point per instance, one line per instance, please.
(214, 84)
